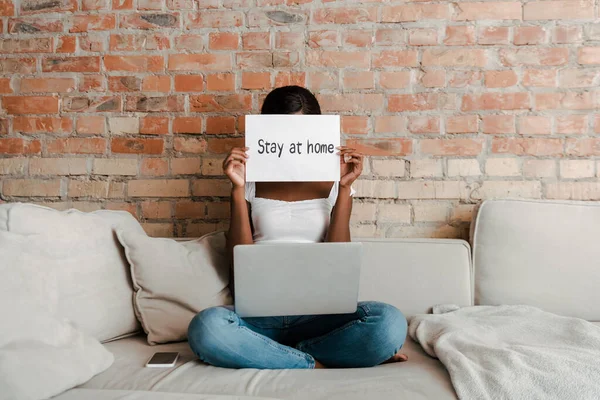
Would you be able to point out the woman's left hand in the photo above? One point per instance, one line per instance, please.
(351, 165)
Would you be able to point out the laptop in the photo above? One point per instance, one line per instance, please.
(285, 279)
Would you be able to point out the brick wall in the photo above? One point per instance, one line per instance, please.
(131, 104)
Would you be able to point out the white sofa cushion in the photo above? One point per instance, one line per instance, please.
(539, 253)
(416, 274)
(41, 355)
(94, 288)
(173, 281)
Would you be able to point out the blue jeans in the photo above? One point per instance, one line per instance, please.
(365, 338)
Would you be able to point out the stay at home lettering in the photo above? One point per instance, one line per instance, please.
(277, 148)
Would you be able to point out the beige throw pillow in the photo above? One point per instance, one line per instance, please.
(173, 281)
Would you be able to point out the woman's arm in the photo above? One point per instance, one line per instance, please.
(339, 228)
(351, 165)
(240, 231)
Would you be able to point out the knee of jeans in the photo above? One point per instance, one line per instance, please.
(208, 329)
(390, 326)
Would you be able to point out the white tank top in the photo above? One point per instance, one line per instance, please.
(304, 221)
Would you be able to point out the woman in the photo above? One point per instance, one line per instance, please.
(295, 211)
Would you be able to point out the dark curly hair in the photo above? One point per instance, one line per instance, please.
(291, 100)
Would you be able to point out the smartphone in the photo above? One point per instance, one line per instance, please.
(163, 360)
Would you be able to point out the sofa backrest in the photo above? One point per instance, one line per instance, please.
(539, 253)
(94, 285)
(416, 274)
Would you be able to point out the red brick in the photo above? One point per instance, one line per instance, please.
(568, 34)
(433, 78)
(220, 103)
(539, 77)
(454, 57)
(223, 41)
(500, 79)
(156, 83)
(344, 15)
(141, 41)
(359, 80)
(256, 80)
(71, 64)
(30, 104)
(30, 45)
(566, 100)
(182, 4)
(528, 146)
(154, 125)
(414, 12)
(256, 41)
(90, 124)
(462, 124)
(583, 147)
(7, 8)
(424, 124)
(498, 124)
(199, 62)
(588, 55)
(289, 40)
(213, 19)
(5, 87)
(571, 124)
(412, 102)
(578, 78)
(37, 7)
(156, 209)
(187, 125)
(34, 24)
(77, 146)
(557, 10)
(137, 146)
(189, 83)
(190, 42)
(91, 104)
(423, 37)
(390, 36)
(92, 42)
(321, 80)
(382, 147)
(493, 35)
(451, 147)
(149, 20)
(286, 59)
(94, 22)
(134, 63)
(155, 104)
(220, 125)
(285, 78)
(534, 56)
(389, 58)
(459, 36)
(338, 59)
(92, 83)
(323, 38)
(19, 146)
(351, 102)
(154, 167)
(358, 38)
(508, 10)
(42, 85)
(66, 44)
(124, 83)
(534, 125)
(190, 145)
(529, 35)
(220, 82)
(223, 146)
(122, 4)
(42, 124)
(354, 125)
(88, 5)
(496, 101)
(394, 80)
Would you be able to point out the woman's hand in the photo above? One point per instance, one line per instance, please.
(351, 165)
(234, 166)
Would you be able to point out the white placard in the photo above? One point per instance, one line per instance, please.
(285, 148)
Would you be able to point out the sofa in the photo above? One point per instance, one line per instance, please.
(540, 253)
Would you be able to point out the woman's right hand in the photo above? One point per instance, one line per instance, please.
(234, 166)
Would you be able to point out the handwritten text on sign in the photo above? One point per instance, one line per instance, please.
(285, 148)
